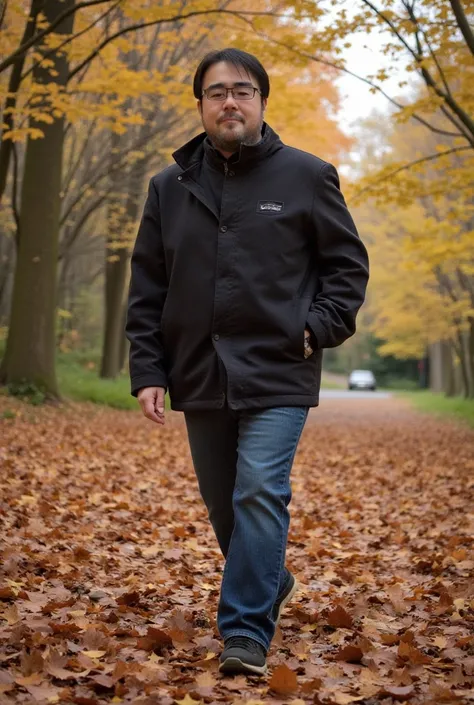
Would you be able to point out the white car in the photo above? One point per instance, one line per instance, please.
(362, 379)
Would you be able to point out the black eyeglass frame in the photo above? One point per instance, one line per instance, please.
(234, 88)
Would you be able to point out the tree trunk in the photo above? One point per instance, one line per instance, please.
(115, 278)
(464, 369)
(30, 353)
(470, 353)
(449, 381)
(7, 257)
(13, 88)
(116, 275)
(123, 355)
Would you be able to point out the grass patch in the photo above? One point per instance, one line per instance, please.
(78, 378)
(454, 407)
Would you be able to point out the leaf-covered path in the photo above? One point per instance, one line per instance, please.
(109, 572)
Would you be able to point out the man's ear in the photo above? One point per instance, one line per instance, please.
(199, 107)
(264, 104)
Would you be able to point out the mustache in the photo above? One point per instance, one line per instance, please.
(230, 117)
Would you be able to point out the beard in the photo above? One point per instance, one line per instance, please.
(231, 139)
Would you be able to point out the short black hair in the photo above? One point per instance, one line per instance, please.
(240, 59)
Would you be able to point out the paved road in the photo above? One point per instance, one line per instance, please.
(346, 394)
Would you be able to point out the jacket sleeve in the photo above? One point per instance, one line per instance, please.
(148, 288)
(342, 262)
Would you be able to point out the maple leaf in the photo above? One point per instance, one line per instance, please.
(339, 617)
(11, 615)
(351, 654)
(205, 683)
(129, 598)
(54, 665)
(7, 593)
(283, 680)
(154, 640)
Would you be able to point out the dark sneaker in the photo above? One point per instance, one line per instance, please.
(243, 655)
(284, 598)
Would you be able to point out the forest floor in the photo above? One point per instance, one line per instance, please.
(110, 574)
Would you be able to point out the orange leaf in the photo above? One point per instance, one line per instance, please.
(283, 680)
(155, 640)
(339, 617)
(351, 654)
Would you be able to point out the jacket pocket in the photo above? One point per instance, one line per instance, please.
(303, 306)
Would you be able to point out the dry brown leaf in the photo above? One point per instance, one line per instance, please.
(351, 654)
(44, 692)
(155, 640)
(205, 683)
(310, 686)
(399, 693)
(34, 679)
(340, 617)
(346, 698)
(94, 654)
(283, 680)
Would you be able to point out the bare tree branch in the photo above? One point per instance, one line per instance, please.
(3, 11)
(463, 24)
(24, 46)
(176, 18)
(430, 158)
(389, 22)
(428, 78)
(419, 29)
(71, 38)
(343, 69)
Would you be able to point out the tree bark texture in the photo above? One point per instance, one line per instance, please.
(30, 353)
(116, 267)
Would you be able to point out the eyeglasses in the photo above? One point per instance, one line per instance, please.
(219, 93)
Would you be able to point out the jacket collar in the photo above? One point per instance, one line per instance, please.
(200, 147)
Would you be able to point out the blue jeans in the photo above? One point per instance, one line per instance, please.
(243, 461)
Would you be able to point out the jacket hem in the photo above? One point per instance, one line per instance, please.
(248, 403)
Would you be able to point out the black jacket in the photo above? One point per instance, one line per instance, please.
(232, 261)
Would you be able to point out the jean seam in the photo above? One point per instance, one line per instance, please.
(287, 473)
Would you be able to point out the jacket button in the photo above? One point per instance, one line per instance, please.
(231, 173)
(224, 229)
(180, 178)
(216, 336)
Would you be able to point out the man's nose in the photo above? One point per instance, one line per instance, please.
(230, 102)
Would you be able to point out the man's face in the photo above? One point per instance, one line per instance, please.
(231, 122)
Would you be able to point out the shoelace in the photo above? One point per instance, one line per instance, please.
(243, 642)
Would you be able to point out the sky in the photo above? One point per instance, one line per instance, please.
(357, 102)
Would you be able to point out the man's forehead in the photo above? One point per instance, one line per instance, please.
(225, 72)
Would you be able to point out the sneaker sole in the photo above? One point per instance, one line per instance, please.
(287, 600)
(235, 665)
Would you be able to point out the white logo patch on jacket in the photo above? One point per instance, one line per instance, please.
(270, 206)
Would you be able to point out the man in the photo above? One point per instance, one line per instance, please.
(246, 265)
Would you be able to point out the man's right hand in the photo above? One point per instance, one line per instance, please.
(152, 402)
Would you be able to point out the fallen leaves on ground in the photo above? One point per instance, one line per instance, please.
(110, 573)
